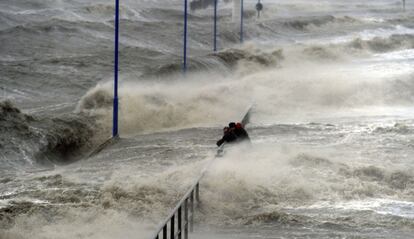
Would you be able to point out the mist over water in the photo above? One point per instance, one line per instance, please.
(331, 84)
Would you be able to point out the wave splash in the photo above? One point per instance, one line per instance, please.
(26, 140)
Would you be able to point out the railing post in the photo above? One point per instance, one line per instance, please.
(186, 218)
(164, 232)
(172, 233)
(192, 211)
(197, 193)
(179, 223)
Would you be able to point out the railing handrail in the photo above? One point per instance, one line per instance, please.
(186, 196)
(189, 195)
(174, 211)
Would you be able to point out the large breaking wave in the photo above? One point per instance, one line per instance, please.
(29, 140)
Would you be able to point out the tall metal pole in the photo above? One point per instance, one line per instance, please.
(116, 54)
(241, 21)
(185, 36)
(404, 5)
(215, 25)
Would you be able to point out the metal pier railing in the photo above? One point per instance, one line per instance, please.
(181, 220)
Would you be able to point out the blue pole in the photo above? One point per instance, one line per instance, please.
(215, 25)
(241, 21)
(185, 36)
(115, 110)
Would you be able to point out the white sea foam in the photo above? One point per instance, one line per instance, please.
(378, 205)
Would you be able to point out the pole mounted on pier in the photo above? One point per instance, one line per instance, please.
(215, 25)
(259, 8)
(241, 20)
(185, 36)
(116, 54)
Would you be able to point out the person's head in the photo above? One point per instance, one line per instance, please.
(232, 125)
(239, 125)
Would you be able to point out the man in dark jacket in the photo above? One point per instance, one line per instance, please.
(228, 136)
(240, 132)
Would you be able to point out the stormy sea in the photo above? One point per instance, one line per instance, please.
(330, 83)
